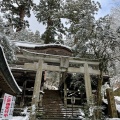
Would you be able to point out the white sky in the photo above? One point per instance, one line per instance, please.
(35, 25)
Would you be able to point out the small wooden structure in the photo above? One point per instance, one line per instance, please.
(26, 77)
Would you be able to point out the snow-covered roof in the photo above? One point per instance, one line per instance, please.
(34, 45)
(7, 79)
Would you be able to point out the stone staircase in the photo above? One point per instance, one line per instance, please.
(53, 107)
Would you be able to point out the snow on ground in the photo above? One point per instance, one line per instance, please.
(20, 118)
(118, 108)
(113, 119)
(117, 100)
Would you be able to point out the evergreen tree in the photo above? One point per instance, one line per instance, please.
(8, 47)
(101, 45)
(23, 35)
(47, 12)
(91, 37)
(17, 9)
(37, 36)
(80, 15)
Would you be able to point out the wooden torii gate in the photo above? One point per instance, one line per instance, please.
(64, 64)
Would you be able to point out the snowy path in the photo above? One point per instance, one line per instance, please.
(20, 118)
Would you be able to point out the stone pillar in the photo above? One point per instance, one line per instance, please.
(36, 91)
(87, 82)
(64, 63)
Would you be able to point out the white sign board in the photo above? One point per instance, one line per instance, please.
(7, 107)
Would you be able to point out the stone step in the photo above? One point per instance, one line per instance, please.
(53, 107)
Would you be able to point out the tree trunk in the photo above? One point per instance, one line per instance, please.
(49, 37)
(99, 97)
(21, 15)
(75, 40)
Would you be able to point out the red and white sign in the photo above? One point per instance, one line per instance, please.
(7, 107)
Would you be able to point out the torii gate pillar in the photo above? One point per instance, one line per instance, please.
(36, 91)
(87, 82)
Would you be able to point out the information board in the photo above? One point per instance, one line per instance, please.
(7, 107)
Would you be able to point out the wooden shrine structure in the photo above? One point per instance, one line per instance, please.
(64, 64)
(26, 77)
(61, 64)
(33, 60)
(31, 63)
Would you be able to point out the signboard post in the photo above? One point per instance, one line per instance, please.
(7, 107)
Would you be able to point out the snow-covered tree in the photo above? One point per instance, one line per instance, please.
(102, 45)
(90, 36)
(15, 11)
(52, 80)
(37, 36)
(80, 15)
(22, 35)
(47, 12)
(115, 81)
(8, 47)
(28, 36)
(93, 38)
(115, 13)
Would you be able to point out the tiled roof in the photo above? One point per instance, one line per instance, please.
(7, 80)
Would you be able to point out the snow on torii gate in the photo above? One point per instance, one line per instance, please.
(66, 64)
